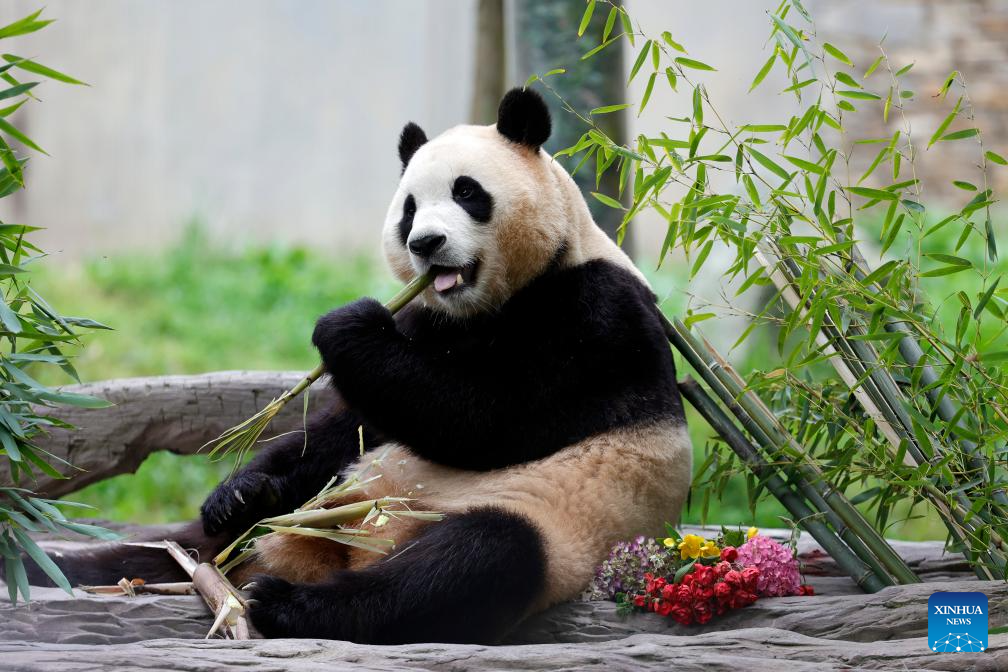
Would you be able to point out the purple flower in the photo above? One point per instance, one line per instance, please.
(623, 571)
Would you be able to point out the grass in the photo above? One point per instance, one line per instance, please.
(202, 306)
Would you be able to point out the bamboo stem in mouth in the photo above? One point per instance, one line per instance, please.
(242, 437)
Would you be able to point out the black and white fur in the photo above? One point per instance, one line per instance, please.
(529, 394)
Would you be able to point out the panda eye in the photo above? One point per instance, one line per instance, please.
(466, 191)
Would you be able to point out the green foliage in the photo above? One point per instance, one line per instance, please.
(896, 391)
(199, 306)
(32, 336)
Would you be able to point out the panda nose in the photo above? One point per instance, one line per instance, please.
(425, 246)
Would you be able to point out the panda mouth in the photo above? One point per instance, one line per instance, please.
(453, 279)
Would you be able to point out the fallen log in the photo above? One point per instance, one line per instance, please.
(175, 413)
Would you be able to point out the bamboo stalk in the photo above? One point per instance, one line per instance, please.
(242, 437)
(878, 394)
(849, 536)
(870, 579)
(731, 389)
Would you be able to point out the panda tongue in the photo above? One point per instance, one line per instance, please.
(445, 281)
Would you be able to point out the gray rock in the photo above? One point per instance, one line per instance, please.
(755, 649)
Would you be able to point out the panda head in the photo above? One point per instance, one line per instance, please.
(483, 208)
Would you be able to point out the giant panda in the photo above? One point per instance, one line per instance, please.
(529, 394)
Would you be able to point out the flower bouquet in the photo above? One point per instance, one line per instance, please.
(692, 579)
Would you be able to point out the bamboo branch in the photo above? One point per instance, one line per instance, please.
(754, 414)
(242, 437)
(870, 578)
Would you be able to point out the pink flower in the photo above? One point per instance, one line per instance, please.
(776, 568)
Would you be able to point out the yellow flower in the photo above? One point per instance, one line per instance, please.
(710, 550)
(751, 533)
(690, 545)
(670, 542)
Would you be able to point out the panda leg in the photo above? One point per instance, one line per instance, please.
(469, 579)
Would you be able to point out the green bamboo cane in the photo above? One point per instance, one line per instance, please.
(862, 360)
(849, 536)
(732, 389)
(870, 579)
(242, 437)
(912, 353)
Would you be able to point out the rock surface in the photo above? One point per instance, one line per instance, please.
(839, 628)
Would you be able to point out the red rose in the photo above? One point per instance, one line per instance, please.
(806, 589)
(702, 612)
(670, 591)
(722, 591)
(742, 598)
(729, 554)
(681, 614)
(639, 600)
(749, 576)
(706, 594)
(704, 575)
(684, 595)
(664, 607)
(733, 578)
(722, 568)
(687, 580)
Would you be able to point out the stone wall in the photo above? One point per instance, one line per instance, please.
(938, 36)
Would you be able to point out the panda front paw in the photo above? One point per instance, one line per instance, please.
(239, 502)
(279, 608)
(343, 332)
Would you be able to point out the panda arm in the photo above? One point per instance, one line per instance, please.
(287, 472)
(580, 355)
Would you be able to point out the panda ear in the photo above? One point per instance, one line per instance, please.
(410, 140)
(524, 118)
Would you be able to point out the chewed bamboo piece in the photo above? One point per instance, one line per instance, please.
(224, 600)
(139, 587)
(242, 437)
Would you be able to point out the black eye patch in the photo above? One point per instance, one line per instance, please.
(406, 223)
(473, 198)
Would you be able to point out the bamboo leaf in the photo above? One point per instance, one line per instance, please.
(640, 61)
(761, 75)
(647, 93)
(768, 163)
(608, 201)
(586, 17)
(875, 194)
(44, 562)
(837, 54)
(607, 109)
(996, 158)
(37, 68)
(858, 95)
(692, 63)
(960, 135)
(942, 126)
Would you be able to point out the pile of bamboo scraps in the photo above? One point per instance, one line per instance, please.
(224, 600)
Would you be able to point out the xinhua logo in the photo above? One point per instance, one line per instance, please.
(957, 622)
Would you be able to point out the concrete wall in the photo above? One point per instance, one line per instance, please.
(270, 120)
(278, 120)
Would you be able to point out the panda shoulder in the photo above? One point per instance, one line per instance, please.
(596, 293)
